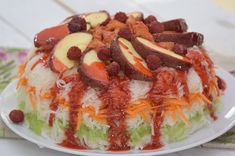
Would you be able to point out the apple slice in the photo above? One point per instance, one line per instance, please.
(93, 70)
(96, 18)
(47, 38)
(137, 15)
(169, 58)
(130, 61)
(59, 60)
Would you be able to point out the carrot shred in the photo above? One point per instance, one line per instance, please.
(46, 95)
(196, 96)
(31, 90)
(213, 84)
(22, 82)
(21, 69)
(139, 107)
(183, 116)
(32, 101)
(100, 117)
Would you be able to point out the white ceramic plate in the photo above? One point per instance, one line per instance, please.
(226, 119)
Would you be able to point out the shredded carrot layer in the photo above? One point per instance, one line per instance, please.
(22, 82)
(169, 106)
(46, 95)
(21, 69)
(198, 96)
(140, 107)
(99, 117)
(214, 87)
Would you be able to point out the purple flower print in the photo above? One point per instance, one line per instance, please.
(22, 56)
(3, 55)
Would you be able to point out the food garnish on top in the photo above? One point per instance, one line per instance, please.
(110, 45)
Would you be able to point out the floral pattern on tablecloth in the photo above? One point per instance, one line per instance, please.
(10, 58)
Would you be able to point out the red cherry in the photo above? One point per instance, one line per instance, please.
(77, 24)
(125, 33)
(113, 69)
(150, 19)
(16, 116)
(74, 53)
(153, 62)
(120, 16)
(104, 54)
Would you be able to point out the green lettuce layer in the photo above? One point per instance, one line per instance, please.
(35, 123)
(179, 130)
(93, 134)
(137, 134)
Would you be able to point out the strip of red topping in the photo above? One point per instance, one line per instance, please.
(115, 98)
(53, 105)
(43, 59)
(158, 87)
(182, 76)
(75, 96)
(204, 67)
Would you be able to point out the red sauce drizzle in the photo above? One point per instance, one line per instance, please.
(53, 105)
(115, 98)
(162, 85)
(182, 76)
(75, 97)
(43, 59)
(198, 58)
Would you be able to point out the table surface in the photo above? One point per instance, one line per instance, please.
(21, 20)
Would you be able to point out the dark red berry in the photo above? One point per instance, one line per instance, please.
(150, 19)
(125, 33)
(153, 62)
(16, 116)
(113, 69)
(156, 27)
(120, 16)
(77, 24)
(74, 53)
(104, 54)
(180, 49)
(221, 83)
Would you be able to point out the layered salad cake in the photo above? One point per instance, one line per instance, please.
(120, 82)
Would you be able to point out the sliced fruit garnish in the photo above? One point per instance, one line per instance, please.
(130, 61)
(93, 18)
(169, 58)
(47, 38)
(137, 15)
(59, 61)
(93, 70)
(96, 18)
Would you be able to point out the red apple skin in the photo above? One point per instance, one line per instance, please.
(89, 78)
(127, 67)
(167, 60)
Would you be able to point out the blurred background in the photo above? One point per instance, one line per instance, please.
(20, 20)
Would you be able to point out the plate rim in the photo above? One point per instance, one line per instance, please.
(92, 152)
